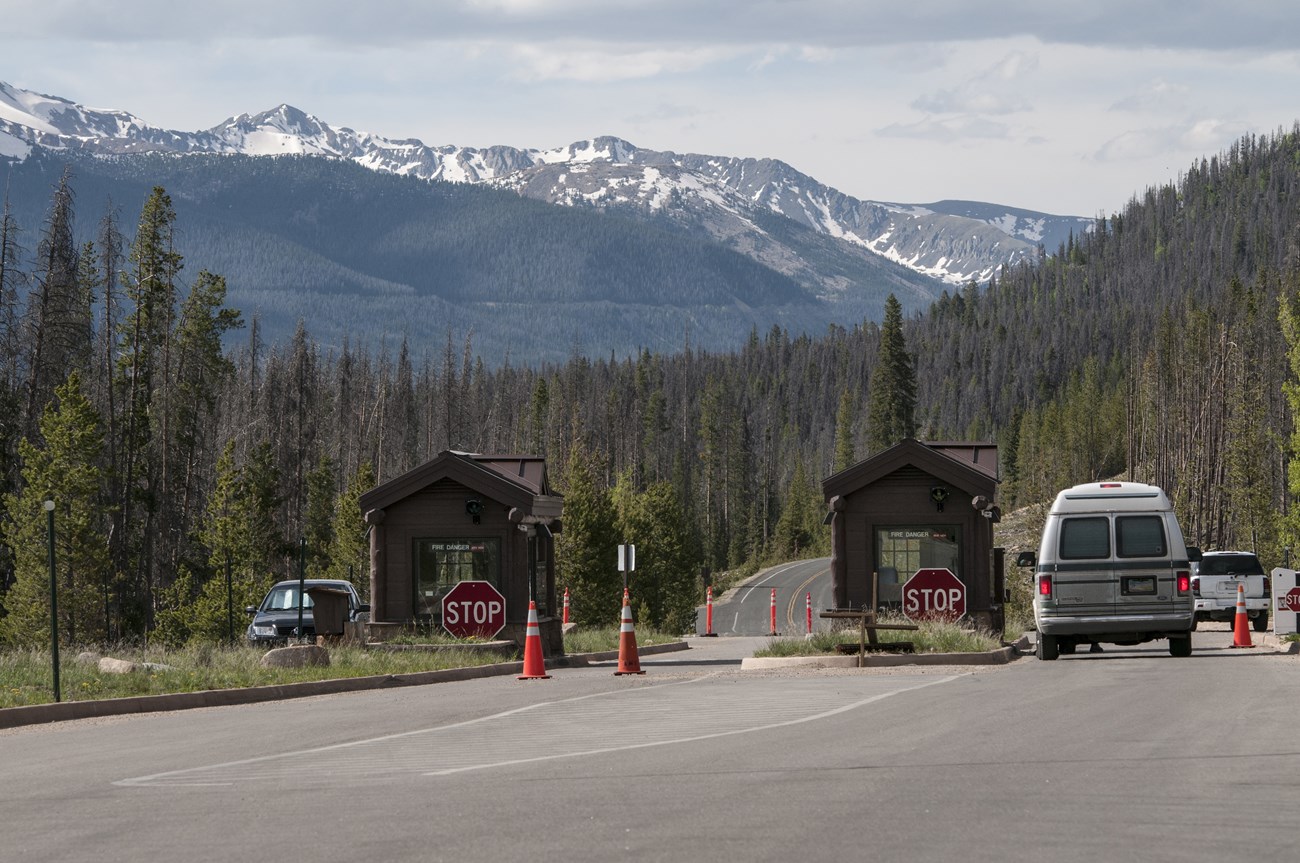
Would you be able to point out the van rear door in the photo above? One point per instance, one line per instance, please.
(1084, 583)
(1144, 571)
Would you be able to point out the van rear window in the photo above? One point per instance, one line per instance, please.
(1085, 538)
(1140, 536)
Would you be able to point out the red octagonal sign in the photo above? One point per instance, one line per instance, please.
(1289, 601)
(934, 594)
(473, 609)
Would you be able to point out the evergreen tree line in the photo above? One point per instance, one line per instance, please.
(1156, 347)
(178, 467)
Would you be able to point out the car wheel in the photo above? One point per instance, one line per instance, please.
(1261, 623)
(1181, 646)
(1047, 647)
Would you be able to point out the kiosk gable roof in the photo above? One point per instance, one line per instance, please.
(518, 481)
(972, 466)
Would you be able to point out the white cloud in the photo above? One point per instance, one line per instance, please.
(952, 129)
(596, 63)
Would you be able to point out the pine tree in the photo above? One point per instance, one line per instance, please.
(144, 342)
(57, 325)
(665, 586)
(63, 468)
(586, 548)
(349, 553)
(318, 519)
(798, 532)
(845, 417)
(892, 402)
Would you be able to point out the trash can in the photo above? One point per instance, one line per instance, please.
(329, 609)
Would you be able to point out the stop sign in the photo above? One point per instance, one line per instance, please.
(1289, 601)
(473, 609)
(934, 594)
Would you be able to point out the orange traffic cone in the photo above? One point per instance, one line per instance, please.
(628, 662)
(1241, 621)
(534, 667)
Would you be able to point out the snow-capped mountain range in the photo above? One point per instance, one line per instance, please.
(731, 198)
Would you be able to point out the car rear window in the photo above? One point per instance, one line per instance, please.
(1085, 538)
(1140, 536)
(1230, 564)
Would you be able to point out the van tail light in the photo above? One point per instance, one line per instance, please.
(1045, 585)
(1196, 586)
(1184, 581)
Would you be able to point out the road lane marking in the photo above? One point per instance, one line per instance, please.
(801, 589)
(664, 714)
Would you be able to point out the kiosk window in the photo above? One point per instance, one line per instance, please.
(442, 563)
(902, 550)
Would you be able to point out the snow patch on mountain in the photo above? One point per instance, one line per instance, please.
(953, 241)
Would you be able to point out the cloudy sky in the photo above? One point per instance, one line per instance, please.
(1068, 109)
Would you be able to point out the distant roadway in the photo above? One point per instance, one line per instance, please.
(747, 609)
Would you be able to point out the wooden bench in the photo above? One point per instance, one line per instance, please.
(867, 627)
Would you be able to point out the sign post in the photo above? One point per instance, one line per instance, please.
(934, 594)
(626, 560)
(1286, 601)
(474, 609)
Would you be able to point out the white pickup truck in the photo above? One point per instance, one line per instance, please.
(1214, 587)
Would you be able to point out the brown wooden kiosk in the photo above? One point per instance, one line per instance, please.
(464, 517)
(917, 505)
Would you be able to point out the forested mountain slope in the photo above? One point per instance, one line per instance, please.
(1152, 345)
(1155, 346)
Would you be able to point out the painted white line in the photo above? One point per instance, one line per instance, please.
(698, 737)
(154, 779)
(654, 715)
(741, 597)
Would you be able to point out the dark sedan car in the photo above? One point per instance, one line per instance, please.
(276, 619)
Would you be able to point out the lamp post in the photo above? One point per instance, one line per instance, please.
(54, 602)
(302, 584)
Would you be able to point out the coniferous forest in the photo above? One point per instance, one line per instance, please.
(178, 445)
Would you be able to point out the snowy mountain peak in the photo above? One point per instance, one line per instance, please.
(732, 198)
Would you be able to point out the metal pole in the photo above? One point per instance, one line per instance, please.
(302, 584)
(54, 603)
(230, 605)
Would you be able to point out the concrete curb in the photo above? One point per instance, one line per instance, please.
(35, 714)
(891, 660)
(579, 660)
(993, 657)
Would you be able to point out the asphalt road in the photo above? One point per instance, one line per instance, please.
(1126, 755)
(747, 609)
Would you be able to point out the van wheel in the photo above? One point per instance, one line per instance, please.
(1261, 623)
(1180, 646)
(1046, 647)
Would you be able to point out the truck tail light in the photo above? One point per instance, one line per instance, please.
(1045, 585)
(1196, 586)
(1184, 579)
(1268, 588)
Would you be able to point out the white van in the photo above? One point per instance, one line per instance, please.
(1112, 568)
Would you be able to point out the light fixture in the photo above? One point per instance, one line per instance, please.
(474, 507)
(938, 494)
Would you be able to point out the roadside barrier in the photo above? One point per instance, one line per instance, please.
(566, 605)
(1241, 621)
(708, 613)
(773, 615)
(534, 666)
(628, 661)
(809, 603)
